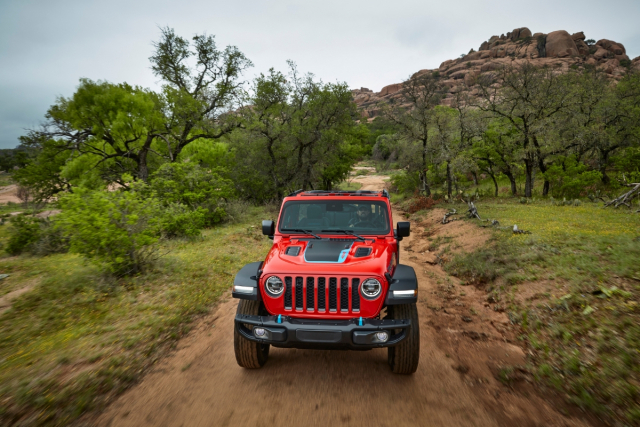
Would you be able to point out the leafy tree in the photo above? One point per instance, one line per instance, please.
(413, 116)
(116, 230)
(42, 174)
(202, 88)
(188, 184)
(527, 98)
(300, 134)
(111, 127)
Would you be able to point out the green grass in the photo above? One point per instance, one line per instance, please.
(349, 186)
(5, 179)
(584, 330)
(79, 338)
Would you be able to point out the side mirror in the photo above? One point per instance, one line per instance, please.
(268, 227)
(404, 229)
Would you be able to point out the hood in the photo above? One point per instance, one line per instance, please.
(338, 255)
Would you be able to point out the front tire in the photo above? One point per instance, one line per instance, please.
(404, 357)
(249, 354)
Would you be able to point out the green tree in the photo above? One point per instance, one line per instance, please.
(413, 116)
(528, 98)
(116, 230)
(300, 134)
(202, 88)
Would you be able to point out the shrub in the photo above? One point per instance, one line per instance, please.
(25, 231)
(570, 178)
(51, 241)
(406, 182)
(193, 186)
(180, 221)
(421, 203)
(115, 230)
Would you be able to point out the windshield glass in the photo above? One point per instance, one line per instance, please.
(361, 217)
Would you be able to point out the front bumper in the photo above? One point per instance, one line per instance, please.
(354, 334)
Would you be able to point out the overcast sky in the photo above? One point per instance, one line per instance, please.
(46, 46)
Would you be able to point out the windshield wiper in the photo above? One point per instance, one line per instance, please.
(346, 232)
(300, 230)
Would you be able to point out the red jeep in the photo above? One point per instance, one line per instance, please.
(332, 280)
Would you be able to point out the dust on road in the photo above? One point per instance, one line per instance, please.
(201, 384)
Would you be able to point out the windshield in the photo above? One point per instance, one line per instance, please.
(361, 217)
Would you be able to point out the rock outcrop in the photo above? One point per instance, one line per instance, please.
(558, 49)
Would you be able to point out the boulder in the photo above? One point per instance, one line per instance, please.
(601, 53)
(623, 57)
(445, 64)
(485, 54)
(491, 66)
(536, 35)
(583, 49)
(560, 44)
(493, 39)
(578, 36)
(472, 56)
(519, 33)
(591, 61)
(611, 46)
(484, 46)
(525, 32)
(421, 72)
(387, 90)
(616, 49)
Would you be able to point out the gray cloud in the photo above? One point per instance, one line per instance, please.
(46, 46)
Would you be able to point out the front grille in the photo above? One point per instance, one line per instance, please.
(344, 294)
(333, 294)
(322, 294)
(287, 293)
(299, 299)
(355, 295)
(310, 296)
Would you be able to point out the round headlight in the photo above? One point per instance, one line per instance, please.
(274, 285)
(370, 288)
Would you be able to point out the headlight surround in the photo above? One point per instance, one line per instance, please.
(274, 285)
(370, 288)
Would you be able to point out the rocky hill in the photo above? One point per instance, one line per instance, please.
(558, 49)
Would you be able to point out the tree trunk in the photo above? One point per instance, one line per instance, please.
(495, 182)
(475, 178)
(528, 186)
(426, 190)
(547, 184)
(449, 180)
(143, 169)
(512, 180)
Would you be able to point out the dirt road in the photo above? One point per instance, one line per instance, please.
(455, 385)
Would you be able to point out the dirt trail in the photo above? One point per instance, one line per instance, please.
(201, 384)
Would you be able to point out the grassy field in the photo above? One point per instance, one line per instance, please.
(77, 338)
(573, 285)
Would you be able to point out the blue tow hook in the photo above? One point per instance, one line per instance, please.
(360, 322)
(279, 318)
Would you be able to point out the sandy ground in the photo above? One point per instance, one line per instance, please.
(200, 384)
(9, 194)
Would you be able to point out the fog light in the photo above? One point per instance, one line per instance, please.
(259, 332)
(382, 336)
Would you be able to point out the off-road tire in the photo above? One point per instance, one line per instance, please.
(250, 354)
(404, 357)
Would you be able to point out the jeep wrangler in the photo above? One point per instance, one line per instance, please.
(332, 280)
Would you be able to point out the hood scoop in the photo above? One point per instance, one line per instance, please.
(329, 251)
(292, 251)
(362, 252)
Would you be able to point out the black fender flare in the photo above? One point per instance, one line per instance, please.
(248, 277)
(404, 279)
